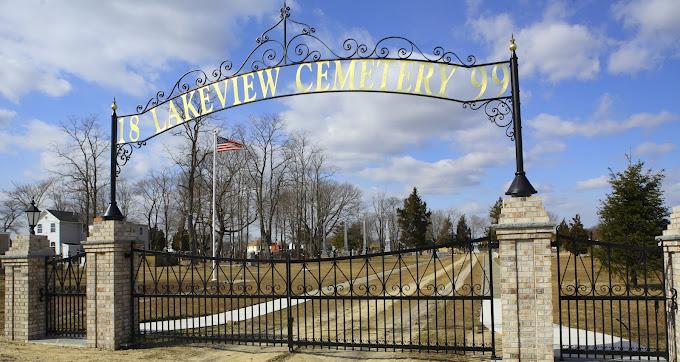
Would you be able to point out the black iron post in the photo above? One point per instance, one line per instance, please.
(520, 186)
(112, 212)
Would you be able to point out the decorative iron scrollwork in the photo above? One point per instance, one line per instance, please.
(124, 152)
(498, 111)
(300, 46)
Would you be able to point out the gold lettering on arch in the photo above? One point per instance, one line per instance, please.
(405, 76)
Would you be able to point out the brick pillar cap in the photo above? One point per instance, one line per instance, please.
(29, 246)
(525, 225)
(668, 238)
(105, 242)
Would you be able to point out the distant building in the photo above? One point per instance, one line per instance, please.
(254, 247)
(63, 229)
(4, 243)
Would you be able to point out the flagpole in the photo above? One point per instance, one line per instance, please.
(214, 208)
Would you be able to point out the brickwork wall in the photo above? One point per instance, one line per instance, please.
(24, 265)
(524, 234)
(670, 240)
(108, 283)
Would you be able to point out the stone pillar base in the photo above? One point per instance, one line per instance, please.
(109, 323)
(670, 241)
(24, 265)
(524, 234)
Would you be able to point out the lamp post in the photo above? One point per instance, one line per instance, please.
(520, 186)
(112, 211)
(32, 214)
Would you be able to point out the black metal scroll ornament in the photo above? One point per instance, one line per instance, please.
(303, 46)
(498, 111)
(300, 47)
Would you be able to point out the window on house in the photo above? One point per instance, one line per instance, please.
(52, 244)
(141, 231)
(53, 227)
(39, 229)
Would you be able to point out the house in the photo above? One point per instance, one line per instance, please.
(254, 247)
(63, 229)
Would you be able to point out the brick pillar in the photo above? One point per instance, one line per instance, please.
(524, 233)
(24, 265)
(670, 240)
(108, 283)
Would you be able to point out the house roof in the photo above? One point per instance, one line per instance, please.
(65, 216)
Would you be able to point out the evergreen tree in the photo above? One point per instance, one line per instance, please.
(494, 216)
(156, 239)
(632, 214)
(413, 219)
(563, 228)
(180, 241)
(355, 239)
(463, 234)
(446, 233)
(575, 236)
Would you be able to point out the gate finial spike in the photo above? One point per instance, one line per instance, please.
(513, 45)
(114, 106)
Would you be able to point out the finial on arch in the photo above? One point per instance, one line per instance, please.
(114, 106)
(513, 45)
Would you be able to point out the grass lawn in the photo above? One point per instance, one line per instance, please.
(371, 318)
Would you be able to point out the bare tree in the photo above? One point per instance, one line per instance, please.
(233, 188)
(189, 160)
(80, 163)
(23, 193)
(478, 225)
(267, 166)
(18, 198)
(10, 212)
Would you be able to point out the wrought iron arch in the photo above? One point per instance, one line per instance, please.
(304, 46)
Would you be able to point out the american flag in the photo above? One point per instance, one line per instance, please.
(224, 144)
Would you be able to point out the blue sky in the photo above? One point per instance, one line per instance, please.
(598, 80)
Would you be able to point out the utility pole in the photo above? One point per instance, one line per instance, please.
(344, 224)
(364, 232)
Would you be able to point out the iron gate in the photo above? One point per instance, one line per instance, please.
(65, 296)
(431, 298)
(612, 300)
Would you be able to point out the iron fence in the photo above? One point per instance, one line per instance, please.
(611, 300)
(433, 298)
(65, 296)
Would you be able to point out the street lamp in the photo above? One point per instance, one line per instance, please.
(33, 214)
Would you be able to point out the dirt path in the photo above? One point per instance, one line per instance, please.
(383, 320)
(252, 311)
(14, 351)
(420, 314)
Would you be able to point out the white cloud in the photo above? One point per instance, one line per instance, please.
(374, 137)
(656, 34)
(542, 148)
(6, 117)
(653, 149)
(551, 48)
(546, 125)
(123, 44)
(357, 129)
(445, 176)
(593, 183)
(34, 135)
